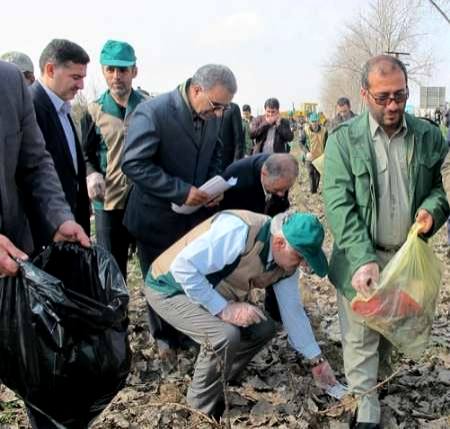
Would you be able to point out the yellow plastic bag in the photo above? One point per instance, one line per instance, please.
(403, 304)
(319, 163)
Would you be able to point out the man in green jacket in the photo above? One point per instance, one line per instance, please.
(382, 174)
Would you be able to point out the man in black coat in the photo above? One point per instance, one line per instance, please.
(172, 147)
(27, 176)
(63, 67)
(263, 183)
(232, 135)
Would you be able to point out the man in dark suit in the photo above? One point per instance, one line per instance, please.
(63, 68)
(263, 183)
(172, 147)
(232, 135)
(27, 176)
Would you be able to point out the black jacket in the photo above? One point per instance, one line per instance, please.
(27, 175)
(73, 183)
(248, 193)
(164, 157)
(232, 135)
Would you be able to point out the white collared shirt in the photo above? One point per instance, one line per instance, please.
(63, 109)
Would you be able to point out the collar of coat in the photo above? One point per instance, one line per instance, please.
(110, 106)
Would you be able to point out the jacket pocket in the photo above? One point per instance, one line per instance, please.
(362, 183)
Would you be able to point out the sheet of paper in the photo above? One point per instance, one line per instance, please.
(213, 187)
(337, 391)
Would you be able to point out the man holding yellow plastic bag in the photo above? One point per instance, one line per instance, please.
(381, 174)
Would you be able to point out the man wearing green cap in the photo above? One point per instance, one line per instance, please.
(202, 285)
(316, 138)
(103, 136)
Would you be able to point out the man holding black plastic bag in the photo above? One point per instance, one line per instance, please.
(27, 174)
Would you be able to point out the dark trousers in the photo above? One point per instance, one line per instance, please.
(314, 177)
(39, 420)
(113, 236)
(164, 334)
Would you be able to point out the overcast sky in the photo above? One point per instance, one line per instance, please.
(275, 48)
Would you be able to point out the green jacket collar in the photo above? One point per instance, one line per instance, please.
(109, 105)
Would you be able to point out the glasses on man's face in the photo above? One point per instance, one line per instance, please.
(385, 99)
(217, 107)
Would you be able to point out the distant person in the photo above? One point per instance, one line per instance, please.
(316, 139)
(104, 126)
(271, 132)
(23, 62)
(63, 69)
(172, 147)
(27, 178)
(232, 135)
(247, 118)
(343, 112)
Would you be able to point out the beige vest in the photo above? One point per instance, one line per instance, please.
(112, 131)
(236, 281)
(316, 141)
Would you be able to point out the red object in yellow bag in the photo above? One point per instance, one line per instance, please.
(396, 303)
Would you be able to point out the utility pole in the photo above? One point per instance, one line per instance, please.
(440, 11)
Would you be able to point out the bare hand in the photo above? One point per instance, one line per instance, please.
(216, 201)
(365, 278)
(96, 186)
(323, 375)
(241, 314)
(196, 197)
(425, 220)
(9, 267)
(71, 231)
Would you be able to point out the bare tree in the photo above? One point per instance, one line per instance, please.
(385, 26)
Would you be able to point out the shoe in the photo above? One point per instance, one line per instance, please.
(218, 411)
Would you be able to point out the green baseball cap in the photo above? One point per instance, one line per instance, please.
(304, 232)
(118, 54)
(313, 117)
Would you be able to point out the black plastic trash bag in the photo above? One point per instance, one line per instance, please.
(63, 333)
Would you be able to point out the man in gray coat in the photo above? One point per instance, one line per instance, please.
(172, 147)
(27, 175)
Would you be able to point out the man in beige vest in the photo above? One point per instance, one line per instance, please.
(316, 138)
(103, 136)
(202, 284)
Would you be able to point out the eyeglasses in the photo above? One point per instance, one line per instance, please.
(385, 99)
(217, 107)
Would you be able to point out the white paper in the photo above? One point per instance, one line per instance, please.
(337, 391)
(213, 187)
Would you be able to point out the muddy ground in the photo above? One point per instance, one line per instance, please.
(276, 390)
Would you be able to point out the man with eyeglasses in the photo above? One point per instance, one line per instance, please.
(171, 148)
(103, 136)
(382, 174)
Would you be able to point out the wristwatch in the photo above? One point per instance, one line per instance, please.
(315, 361)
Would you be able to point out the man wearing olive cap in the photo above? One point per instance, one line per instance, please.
(103, 136)
(23, 62)
(201, 286)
